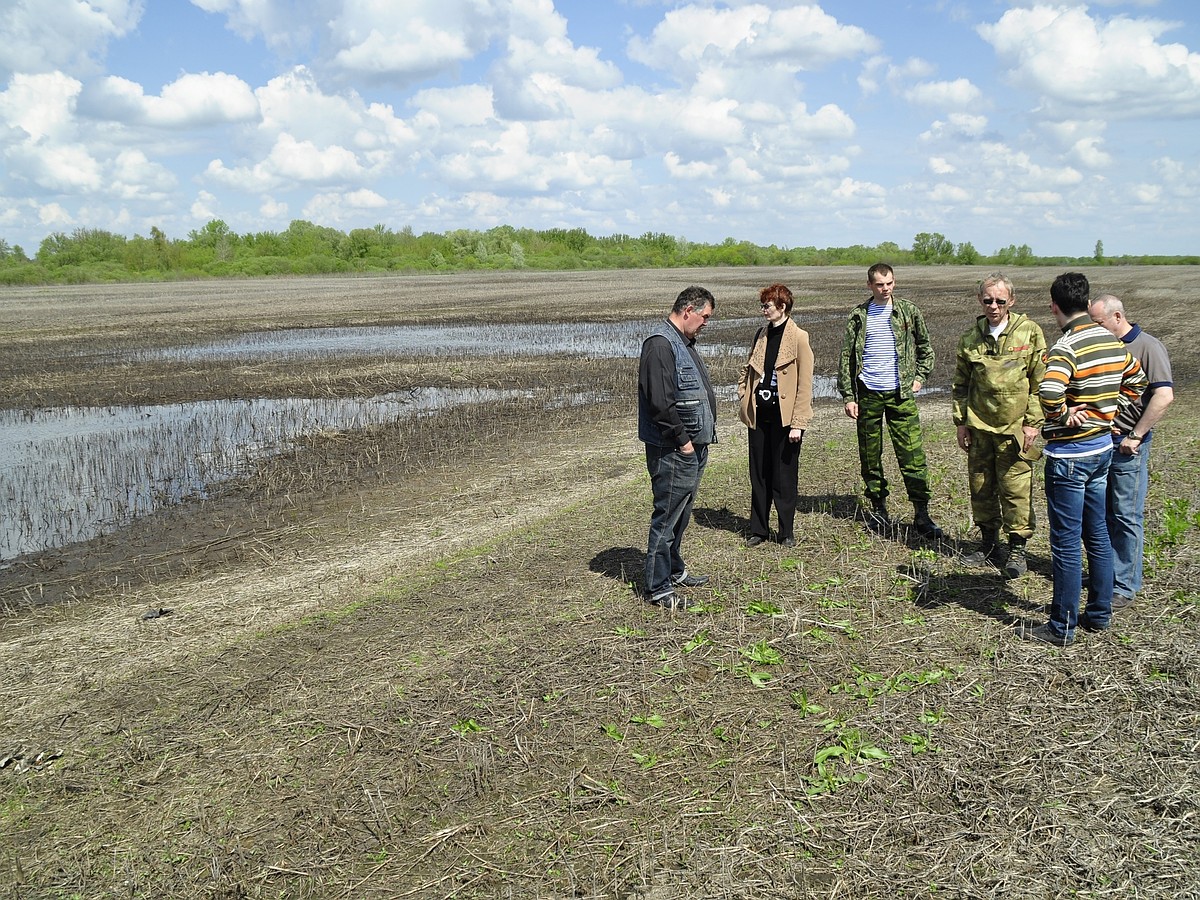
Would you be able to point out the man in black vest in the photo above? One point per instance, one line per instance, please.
(677, 420)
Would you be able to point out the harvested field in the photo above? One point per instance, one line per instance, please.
(414, 662)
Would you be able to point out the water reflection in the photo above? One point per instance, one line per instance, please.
(612, 340)
(71, 474)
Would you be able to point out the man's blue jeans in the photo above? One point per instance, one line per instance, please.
(1076, 492)
(1128, 481)
(674, 479)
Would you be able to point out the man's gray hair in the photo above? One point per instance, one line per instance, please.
(1111, 303)
(997, 278)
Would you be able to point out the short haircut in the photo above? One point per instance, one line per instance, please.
(997, 278)
(878, 269)
(778, 295)
(695, 297)
(1110, 302)
(1070, 292)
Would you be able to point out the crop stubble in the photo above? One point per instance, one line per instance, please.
(395, 661)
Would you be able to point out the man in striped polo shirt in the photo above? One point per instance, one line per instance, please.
(1089, 377)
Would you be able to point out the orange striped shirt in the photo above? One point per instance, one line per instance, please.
(1087, 367)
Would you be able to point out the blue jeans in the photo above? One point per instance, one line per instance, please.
(1076, 492)
(1128, 481)
(674, 479)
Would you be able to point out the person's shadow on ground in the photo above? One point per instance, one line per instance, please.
(983, 591)
(624, 564)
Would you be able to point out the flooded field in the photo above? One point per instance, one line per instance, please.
(72, 473)
(125, 399)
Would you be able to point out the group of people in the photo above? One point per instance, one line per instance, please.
(1094, 397)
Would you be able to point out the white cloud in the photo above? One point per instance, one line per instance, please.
(690, 170)
(273, 209)
(191, 101)
(203, 208)
(289, 161)
(42, 106)
(795, 38)
(1082, 64)
(1089, 152)
(957, 94)
(940, 166)
(51, 35)
(53, 215)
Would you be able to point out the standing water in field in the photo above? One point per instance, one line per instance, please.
(72, 474)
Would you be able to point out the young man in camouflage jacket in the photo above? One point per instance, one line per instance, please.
(999, 365)
(887, 357)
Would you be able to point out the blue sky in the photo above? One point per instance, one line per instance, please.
(1048, 124)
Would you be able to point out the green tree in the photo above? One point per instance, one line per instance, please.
(966, 254)
(932, 248)
(1098, 254)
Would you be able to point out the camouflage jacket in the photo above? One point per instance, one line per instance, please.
(913, 348)
(996, 381)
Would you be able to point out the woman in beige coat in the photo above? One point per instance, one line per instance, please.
(775, 391)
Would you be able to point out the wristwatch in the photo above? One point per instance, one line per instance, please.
(1134, 436)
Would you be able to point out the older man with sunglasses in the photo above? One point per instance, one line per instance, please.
(1000, 364)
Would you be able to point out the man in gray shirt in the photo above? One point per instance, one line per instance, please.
(1129, 473)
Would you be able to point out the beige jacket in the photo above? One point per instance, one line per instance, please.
(794, 372)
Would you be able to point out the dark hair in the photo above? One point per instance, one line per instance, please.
(1070, 292)
(778, 296)
(695, 297)
(878, 269)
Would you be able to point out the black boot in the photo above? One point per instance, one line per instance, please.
(926, 527)
(1017, 565)
(878, 518)
(988, 552)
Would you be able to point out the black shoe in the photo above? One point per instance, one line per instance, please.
(686, 580)
(1120, 601)
(755, 539)
(1087, 624)
(926, 527)
(1042, 634)
(788, 542)
(989, 552)
(877, 517)
(672, 602)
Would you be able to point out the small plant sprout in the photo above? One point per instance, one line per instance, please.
(762, 653)
(700, 640)
(627, 631)
(831, 763)
(932, 717)
(763, 608)
(654, 720)
(467, 726)
(757, 678)
(804, 705)
(645, 760)
(612, 732)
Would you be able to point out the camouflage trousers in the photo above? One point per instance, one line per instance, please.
(904, 427)
(1001, 482)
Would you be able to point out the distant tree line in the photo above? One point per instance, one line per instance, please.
(95, 255)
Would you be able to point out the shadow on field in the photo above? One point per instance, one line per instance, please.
(623, 564)
(723, 519)
(983, 592)
(840, 506)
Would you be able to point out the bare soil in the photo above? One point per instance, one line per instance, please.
(415, 661)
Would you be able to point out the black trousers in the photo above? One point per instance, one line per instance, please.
(774, 474)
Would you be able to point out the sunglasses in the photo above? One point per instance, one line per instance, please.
(997, 303)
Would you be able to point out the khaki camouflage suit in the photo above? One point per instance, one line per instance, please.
(995, 394)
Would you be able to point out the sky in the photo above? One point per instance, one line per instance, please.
(1054, 125)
